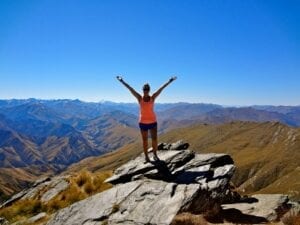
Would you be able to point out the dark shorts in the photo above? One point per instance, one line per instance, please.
(147, 126)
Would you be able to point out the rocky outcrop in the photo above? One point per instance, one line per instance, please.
(153, 193)
(211, 171)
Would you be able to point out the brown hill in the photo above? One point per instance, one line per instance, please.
(111, 131)
(267, 155)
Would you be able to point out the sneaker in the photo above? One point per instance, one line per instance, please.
(147, 160)
(155, 157)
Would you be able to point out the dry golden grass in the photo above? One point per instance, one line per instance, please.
(82, 178)
(188, 219)
(82, 185)
(292, 218)
(21, 210)
(69, 196)
(89, 187)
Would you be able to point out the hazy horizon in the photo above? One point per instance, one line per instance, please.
(135, 102)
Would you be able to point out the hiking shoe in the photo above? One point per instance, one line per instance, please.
(147, 160)
(155, 157)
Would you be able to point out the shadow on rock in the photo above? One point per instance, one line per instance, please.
(163, 171)
(237, 217)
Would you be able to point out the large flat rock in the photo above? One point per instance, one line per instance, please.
(137, 202)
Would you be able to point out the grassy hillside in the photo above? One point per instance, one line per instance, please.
(15, 179)
(267, 155)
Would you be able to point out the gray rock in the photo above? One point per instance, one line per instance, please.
(36, 217)
(179, 145)
(265, 206)
(212, 171)
(57, 187)
(40, 181)
(169, 161)
(14, 198)
(154, 202)
(3, 221)
(96, 208)
(137, 202)
(36, 189)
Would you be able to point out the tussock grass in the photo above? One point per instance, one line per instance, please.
(89, 188)
(292, 218)
(82, 178)
(69, 196)
(21, 210)
(82, 185)
(188, 219)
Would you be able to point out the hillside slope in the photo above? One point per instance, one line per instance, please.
(267, 155)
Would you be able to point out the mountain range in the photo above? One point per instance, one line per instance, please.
(46, 136)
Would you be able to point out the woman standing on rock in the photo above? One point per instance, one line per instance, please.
(147, 120)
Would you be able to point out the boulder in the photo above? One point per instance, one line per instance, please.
(179, 145)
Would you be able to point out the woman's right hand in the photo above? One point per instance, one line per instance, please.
(173, 78)
(119, 78)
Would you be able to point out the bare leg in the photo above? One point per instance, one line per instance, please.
(153, 132)
(145, 143)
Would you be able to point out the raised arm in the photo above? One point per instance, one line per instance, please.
(133, 92)
(163, 87)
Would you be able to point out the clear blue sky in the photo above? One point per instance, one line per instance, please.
(230, 52)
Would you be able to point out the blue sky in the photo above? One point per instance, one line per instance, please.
(229, 52)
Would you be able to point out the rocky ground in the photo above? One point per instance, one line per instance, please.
(157, 192)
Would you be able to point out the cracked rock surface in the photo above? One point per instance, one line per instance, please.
(155, 192)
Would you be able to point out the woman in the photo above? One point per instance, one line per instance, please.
(147, 120)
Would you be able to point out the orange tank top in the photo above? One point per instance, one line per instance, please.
(147, 114)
